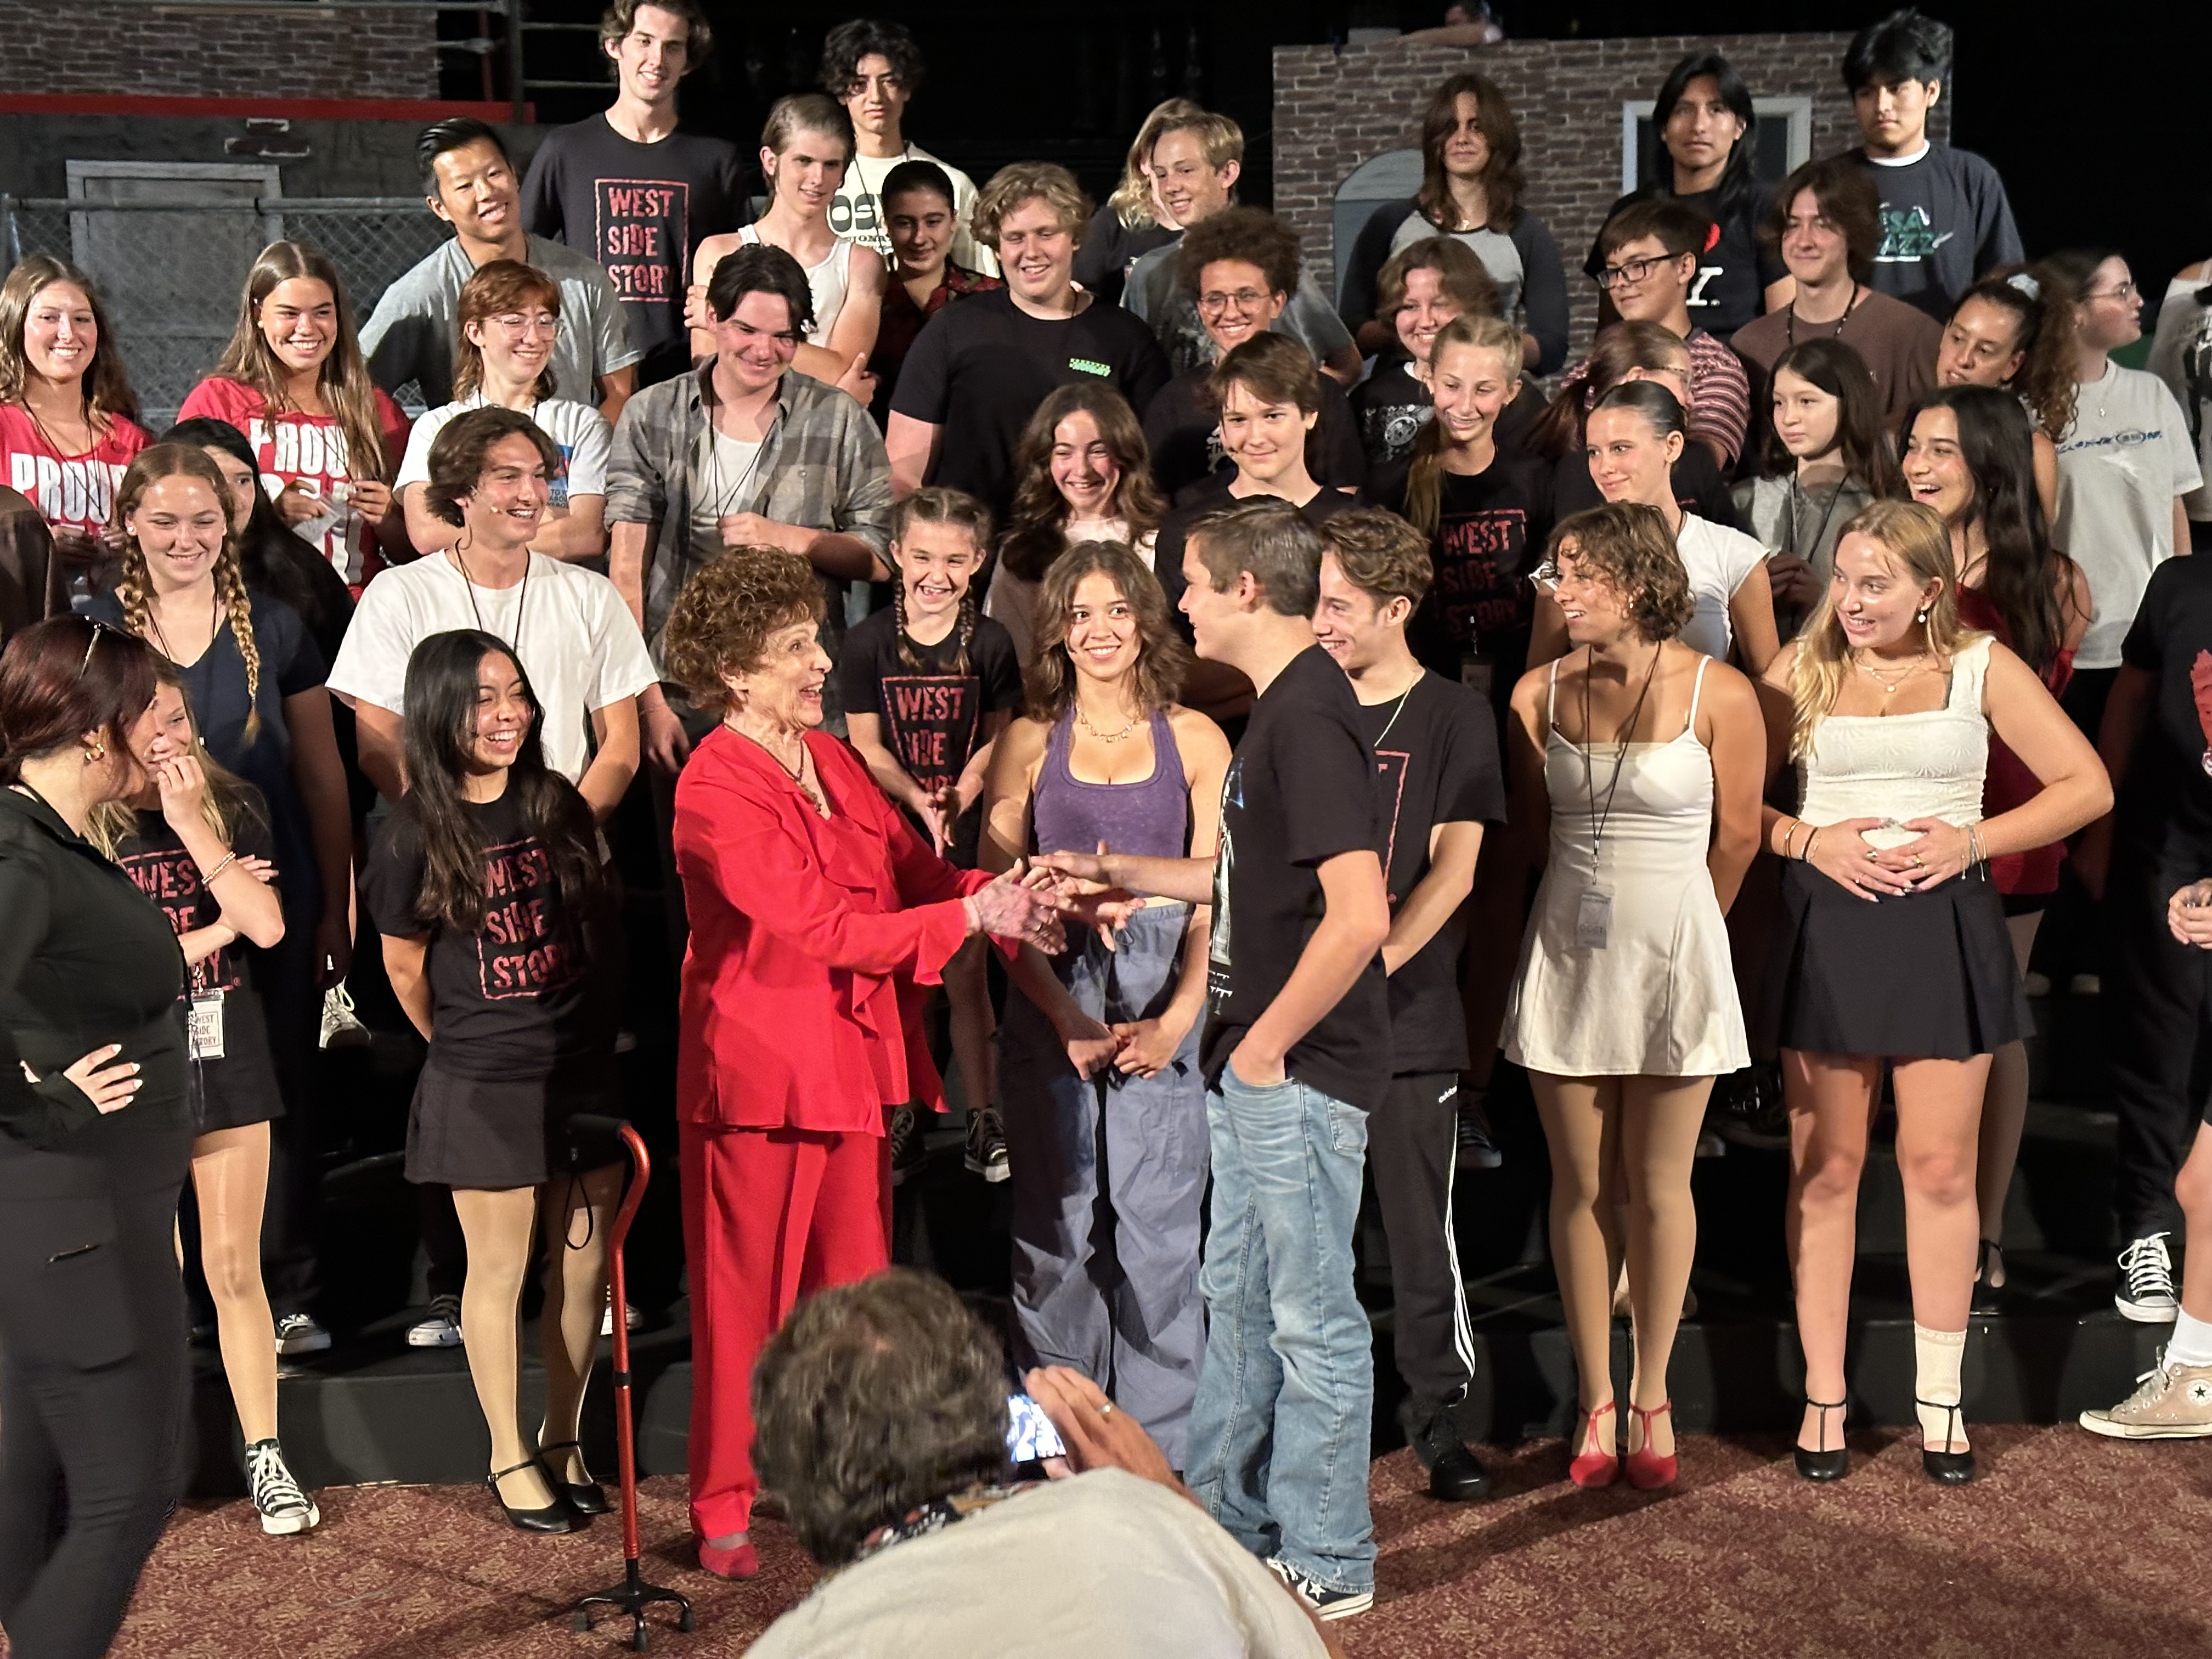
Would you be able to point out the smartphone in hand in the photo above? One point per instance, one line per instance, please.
(1030, 1437)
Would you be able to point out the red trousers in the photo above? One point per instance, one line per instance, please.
(769, 1216)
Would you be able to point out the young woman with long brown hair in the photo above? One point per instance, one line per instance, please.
(1471, 190)
(68, 416)
(1100, 1046)
(2004, 332)
(294, 380)
(1893, 937)
(196, 841)
(255, 681)
(1084, 474)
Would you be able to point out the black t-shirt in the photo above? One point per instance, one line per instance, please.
(1490, 531)
(1109, 248)
(214, 686)
(2166, 801)
(933, 713)
(1184, 438)
(978, 370)
(1301, 789)
(242, 1083)
(1734, 273)
(537, 982)
(1437, 754)
(641, 211)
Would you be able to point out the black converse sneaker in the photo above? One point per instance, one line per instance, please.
(284, 1508)
(987, 1146)
(1326, 1603)
(909, 1155)
(2146, 1292)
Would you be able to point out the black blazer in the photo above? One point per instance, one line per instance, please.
(86, 959)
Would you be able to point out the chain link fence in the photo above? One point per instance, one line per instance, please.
(171, 274)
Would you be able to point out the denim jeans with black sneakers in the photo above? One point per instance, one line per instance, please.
(1278, 1434)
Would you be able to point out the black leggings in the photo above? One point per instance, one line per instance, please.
(94, 1386)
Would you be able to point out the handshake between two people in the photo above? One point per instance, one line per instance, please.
(1034, 901)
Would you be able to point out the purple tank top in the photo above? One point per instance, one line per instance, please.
(1152, 819)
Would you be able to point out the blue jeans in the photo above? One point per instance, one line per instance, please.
(1278, 1434)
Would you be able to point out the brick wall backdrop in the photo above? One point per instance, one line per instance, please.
(1335, 109)
(280, 51)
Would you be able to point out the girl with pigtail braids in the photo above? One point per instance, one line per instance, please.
(928, 687)
(253, 678)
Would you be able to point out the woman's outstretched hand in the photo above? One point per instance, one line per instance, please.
(1019, 904)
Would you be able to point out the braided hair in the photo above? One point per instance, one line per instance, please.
(134, 584)
(936, 504)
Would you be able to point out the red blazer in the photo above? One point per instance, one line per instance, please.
(800, 1005)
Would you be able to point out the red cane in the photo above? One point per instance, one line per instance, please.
(633, 1595)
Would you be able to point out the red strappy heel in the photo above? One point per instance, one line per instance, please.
(1647, 1471)
(1593, 1466)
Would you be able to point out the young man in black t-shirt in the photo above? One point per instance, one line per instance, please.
(628, 189)
(1297, 1056)
(1436, 752)
(978, 370)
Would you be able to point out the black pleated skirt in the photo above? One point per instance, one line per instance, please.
(487, 1134)
(1925, 975)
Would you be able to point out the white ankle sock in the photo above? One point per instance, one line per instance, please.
(2192, 1342)
(1938, 1356)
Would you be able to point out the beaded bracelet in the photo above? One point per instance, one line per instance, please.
(223, 864)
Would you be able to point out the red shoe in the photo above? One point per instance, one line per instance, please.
(1593, 1466)
(1647, 1470)
(738, 1561)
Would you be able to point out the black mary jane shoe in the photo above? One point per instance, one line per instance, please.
(589, 1499)
(557, 1517)
(1826, 1463)
(1946, 1468)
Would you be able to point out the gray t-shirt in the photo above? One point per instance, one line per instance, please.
(2125, 458)
(1154, 292)
(1104, 1565)
(410, 336)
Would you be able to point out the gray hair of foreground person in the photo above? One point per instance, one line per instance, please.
(874, 1398)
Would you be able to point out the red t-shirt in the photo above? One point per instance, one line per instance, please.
(313, 447)
(70, 491)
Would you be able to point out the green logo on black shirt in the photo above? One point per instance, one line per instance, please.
(1091, 366)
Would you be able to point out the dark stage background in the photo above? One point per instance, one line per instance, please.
(2098, 119)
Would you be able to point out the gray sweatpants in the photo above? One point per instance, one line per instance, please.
(1109, 1178)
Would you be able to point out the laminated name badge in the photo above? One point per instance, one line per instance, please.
(1593, 921)
(204, 1025)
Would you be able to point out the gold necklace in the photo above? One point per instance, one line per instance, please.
(1889, 686)
(1084, 721)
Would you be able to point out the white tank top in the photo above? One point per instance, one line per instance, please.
(828, 280)
(1902, 767)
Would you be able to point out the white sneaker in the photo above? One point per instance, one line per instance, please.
(2173, 1403)
(285, 1509)
(442, 1329)
(1326, 1604)
(2147, 1296)
(341, 1027)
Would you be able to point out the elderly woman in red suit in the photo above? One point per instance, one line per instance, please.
(816, 915)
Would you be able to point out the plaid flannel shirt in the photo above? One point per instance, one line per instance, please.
(823, 465)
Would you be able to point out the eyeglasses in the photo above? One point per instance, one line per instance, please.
(1633, 271)
(2125, 291)
(90, 645)
(1244, 299)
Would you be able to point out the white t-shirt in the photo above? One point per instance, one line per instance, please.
(579, 431)
(2127, 456)
(857, 209)
(577, 641)
(1718, 559)
(1102, 1566)
(2181, 356)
